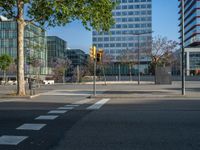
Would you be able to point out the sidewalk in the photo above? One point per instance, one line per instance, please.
(114, 90)
(150, 90)
(9, 91)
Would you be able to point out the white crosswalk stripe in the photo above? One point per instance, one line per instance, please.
(57, 111)
(29, 126)
(65, 108)
(98, 104)
(72, 105)
(46, 117)
(11, 139)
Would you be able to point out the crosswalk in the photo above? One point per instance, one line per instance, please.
(49, 116)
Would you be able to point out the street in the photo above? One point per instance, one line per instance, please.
(56, 121)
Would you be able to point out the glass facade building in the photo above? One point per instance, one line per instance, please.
(56, 48)
(34, 42)
(77, 57)
(132, 32)
(191, 33)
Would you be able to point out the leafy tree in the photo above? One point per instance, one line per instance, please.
(5, 62)
(92, 13)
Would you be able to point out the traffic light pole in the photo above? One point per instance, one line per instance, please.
(94, 77)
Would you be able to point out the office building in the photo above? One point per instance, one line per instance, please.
(132, 32)
(191, 34)
(77, 57)
(34, 43)
(56, 48)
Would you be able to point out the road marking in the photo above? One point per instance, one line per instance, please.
(66, 108)
(31, 127)
(11, 140)
(83, 101)
(46, 117)
(72, 105)
(98, 104)
(57, 111)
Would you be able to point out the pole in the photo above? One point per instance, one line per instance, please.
(183, 52)
(138, 59)
(78, 74)
(94, 78)
(119, 72)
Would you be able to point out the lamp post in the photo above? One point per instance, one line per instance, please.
(182, 45)
(138, 52)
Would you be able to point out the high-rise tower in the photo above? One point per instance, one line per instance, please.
(132, 32)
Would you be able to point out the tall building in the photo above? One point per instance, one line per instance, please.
(191, 34)
(34, 42)
(77, 57)
(132, 32)
(56, 48)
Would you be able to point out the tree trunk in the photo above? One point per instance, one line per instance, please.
(4, 77)
(20, 50)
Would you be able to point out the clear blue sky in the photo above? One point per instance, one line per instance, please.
(165, 23)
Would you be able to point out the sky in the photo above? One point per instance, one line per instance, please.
(164, 22)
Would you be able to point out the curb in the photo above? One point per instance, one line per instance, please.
(145, 97)
(21, 97)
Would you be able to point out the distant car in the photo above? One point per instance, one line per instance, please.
(48, 82)
(10, 82)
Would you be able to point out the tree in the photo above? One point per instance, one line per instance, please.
(92, 13)
(162, 52)
(5, 62)
(79, 72)
(127, 57)
(59, 67)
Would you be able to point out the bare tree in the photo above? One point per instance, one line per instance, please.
(162, 50)
(59, 67)
(127, 57)
(79, 72)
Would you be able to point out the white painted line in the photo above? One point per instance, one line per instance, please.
(83, 101)
(46, 117)
(11, 140)
(66, 108)
(31, 127)
(98, 104)
(72, 105)
(57, 111)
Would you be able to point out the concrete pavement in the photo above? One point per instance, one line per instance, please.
(117, 89)
(121, 116)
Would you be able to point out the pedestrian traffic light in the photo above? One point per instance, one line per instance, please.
(93, 53)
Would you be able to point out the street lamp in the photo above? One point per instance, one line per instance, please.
(138, 53)
(182, 45)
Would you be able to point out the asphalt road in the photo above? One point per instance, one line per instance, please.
(99, 124)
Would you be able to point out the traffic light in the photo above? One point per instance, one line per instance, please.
(93, 53)
(99, 55)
